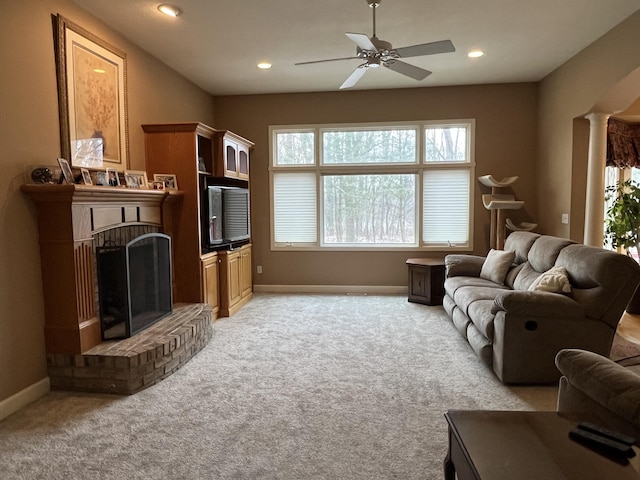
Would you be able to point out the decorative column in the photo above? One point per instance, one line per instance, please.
(594, 203)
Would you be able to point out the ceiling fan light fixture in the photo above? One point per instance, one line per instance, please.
(475, 54)
(170, 10)
(264, 65)
(376, 53)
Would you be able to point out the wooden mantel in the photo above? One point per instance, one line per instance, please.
(68, 218)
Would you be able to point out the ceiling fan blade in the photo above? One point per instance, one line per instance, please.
(443, 46)
(354, 77)
(362, 41)
(328, 60)
(407, 69)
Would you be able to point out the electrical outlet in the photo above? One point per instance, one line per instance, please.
(259, 269)
(565, 218)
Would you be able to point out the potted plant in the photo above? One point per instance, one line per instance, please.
(623, 225)
(623, 216)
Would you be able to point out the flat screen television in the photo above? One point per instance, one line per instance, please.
(227, 220)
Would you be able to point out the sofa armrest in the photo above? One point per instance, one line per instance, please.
(461, 265)
(612, 386)
(537, 304)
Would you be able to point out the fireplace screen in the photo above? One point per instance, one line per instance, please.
(134, 285)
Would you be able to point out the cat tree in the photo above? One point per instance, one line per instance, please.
(497, 203)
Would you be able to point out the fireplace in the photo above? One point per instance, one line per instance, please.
(134, 284)
(73, 222)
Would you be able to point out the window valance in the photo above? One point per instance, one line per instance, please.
(623, 144)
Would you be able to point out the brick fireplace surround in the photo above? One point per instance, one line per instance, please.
(130, 365)
(69, 218)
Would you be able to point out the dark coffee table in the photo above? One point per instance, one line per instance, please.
(492, 445)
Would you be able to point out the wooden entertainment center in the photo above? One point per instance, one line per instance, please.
(195, 153)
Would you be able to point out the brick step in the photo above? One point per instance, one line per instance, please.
(127, 366)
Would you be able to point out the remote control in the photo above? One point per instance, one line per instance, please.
(602, 444)
(605, 432)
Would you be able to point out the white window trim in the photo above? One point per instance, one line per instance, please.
(415, 168)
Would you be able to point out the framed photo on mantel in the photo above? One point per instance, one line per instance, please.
(92, 98)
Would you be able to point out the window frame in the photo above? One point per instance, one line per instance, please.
(417, 168)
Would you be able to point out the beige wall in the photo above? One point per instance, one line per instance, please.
(579, 86)
(505, 145)
(29, 134)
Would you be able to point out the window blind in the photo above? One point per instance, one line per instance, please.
(294, 207)
(445, 200)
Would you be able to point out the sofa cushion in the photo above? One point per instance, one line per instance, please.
(554, 280)
(526, 276)
(480, 344)
(461, 322)
(496, 265)
(545, 251)
(482, 317)
(512, 274)
(462, 265)
(451, 285)
(448, 304)
(520, 242)
(467, 296)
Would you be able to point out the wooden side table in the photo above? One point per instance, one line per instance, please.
(426, 280)
(494, 445)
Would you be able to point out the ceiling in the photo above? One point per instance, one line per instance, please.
(217, 43)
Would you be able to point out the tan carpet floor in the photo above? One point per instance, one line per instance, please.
(291, 387)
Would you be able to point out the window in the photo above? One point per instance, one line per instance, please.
(372, 186)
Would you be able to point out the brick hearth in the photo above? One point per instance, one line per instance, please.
(133, 364)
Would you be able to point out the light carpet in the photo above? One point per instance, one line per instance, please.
(291, 387)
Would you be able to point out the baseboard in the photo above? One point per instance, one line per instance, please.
(344, 289)
(24, 397)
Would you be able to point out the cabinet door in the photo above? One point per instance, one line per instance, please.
(243, 162)
(418, 282)
(245, 266)
(210, 293)
(233, 279)
(426, 284)
(230, 159)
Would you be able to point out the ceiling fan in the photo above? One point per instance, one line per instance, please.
(376, 52)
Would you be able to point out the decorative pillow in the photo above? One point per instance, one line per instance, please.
(496, 265)
(554, 280)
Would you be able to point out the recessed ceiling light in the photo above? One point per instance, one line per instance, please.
(170, 10)
(264, 65)
(475, 54)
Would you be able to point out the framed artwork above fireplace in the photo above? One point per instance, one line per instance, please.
(92, 98)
